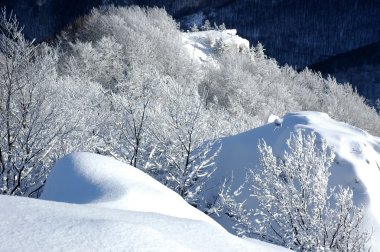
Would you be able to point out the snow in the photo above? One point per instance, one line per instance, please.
(92, 202)
(357, 162)
(201, 45)
(106, 182)
(274, 119)
(36, 225)
(95, 203)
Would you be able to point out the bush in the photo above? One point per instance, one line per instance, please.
(297, 208)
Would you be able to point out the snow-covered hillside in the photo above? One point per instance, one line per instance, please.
(202, 45)
(357, 162)
(127, 83)
(117, 208)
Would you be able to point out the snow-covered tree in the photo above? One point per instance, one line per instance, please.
(259, 51)
(194, 28)
(222, 27)
(206, 26)
(100, 61)
(126, 135)
(32, 122)
(185, 136)
(297, 208)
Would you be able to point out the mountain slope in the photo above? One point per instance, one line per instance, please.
(298, 32)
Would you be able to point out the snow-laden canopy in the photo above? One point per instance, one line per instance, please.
(106, 205)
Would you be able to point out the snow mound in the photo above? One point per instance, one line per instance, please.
(37, 225)
(357, 162)
(106, 205)
(86, 178)
(202, 45)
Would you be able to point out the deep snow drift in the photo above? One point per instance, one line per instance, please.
(117, 208)
(357, 162)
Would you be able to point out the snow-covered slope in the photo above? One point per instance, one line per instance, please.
(109, 206)
(201, 45)
(36, 225)
(357, 162)
(99, 181)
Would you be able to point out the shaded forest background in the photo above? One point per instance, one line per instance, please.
(336, 37)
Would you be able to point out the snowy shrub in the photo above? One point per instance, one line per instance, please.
(238, 213)
(100, 62)
(250, 86)
(146, 36)
(297, 208)
(249, 89)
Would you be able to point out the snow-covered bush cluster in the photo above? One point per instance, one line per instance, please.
(121, 83)
(297, 208)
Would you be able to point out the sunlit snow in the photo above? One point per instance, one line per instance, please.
(106, 205)
(200, 45)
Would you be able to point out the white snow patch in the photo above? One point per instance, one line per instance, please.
(201, 45)
(37, 225)
(274, 119)
(106, 205)
(271, 118)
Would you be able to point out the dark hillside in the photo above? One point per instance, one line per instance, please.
(330, 36)
(361, 67)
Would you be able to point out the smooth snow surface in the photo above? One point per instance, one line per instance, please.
(106, 205)
(86, 178)
(357, 162)
(37, 225)
(201, 45)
